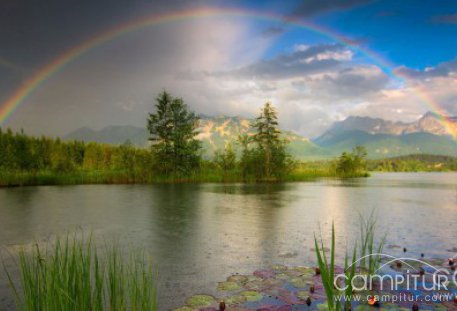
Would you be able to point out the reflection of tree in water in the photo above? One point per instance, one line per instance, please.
(271, 195)
(19, 203)
(255, 188)
(251, 217)
(20, 196)
(348, 182)
(175, 214)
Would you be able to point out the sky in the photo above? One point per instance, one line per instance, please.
(374, 58)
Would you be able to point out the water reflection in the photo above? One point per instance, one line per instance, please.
(200, 234)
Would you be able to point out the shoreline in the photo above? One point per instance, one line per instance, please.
(23, 179)
(17, 180)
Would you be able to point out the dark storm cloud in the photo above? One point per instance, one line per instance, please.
(445, 19)
(441, 70)
(312, 7)
(40, 28)
(34, 32)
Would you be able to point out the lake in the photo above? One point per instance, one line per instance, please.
(201, 233)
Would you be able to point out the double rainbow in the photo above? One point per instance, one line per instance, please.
(21, 94)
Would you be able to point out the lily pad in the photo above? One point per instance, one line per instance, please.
(303, 294)
(234, 300)
(252, 295)
(199, 301)
(228, 286)
(238, 278)
(254, 285)
(300, 282)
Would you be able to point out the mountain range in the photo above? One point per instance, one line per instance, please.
(382, 138)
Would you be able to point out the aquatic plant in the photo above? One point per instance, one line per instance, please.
(327, 270)
(349, 272)
(72, 276)
(368, 248)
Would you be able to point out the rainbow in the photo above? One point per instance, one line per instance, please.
(20, 95)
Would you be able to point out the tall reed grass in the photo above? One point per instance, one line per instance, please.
(72, 275)
(370, 250)
(327, 271)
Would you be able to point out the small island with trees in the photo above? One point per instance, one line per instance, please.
(175, 155)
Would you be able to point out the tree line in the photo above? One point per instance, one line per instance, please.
(20, 152)
(175, 152)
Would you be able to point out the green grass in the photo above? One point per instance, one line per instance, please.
(207, 173)
(72, 276)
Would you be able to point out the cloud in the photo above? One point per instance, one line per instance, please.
(348, 83)
(304, 61)
(443, 69)
(407, 103)
(308, 8)
(445, 19)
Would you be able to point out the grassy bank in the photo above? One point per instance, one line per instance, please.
(209, 172)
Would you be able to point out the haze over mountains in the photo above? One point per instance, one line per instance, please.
(382, 138)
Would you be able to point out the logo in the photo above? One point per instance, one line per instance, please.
(399, 274)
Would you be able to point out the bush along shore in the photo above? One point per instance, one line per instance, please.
(175, 155)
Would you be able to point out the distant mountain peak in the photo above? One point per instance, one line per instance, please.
(430, 114)
(381, 137)
(214, 133)
(388, 138)
(429, 123)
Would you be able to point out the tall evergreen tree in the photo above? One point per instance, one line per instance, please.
(271, 147)
(173, 130)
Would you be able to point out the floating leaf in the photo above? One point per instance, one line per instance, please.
(238, 279)
(252, 295)
(300, 282)
(234, 300)
(228, 286)
(201, 301)
(303, 294)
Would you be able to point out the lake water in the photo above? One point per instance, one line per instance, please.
(200, 234)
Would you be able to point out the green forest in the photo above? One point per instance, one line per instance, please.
(175, 155)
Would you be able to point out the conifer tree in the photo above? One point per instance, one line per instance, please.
(173, 131)
(270, 151)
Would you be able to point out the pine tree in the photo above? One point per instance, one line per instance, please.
(173, 130)
(271, 148)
